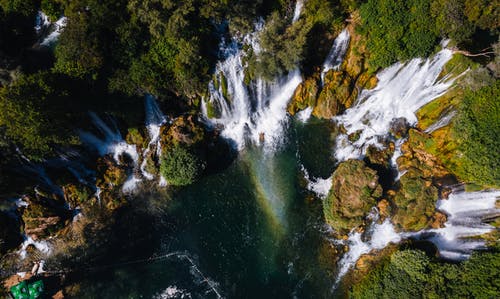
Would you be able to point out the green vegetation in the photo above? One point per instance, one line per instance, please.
(476, 130)
(180, 166)
(35, 113)
(412, 274)
(397, 30)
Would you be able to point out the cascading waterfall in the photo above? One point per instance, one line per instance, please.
(336, 54)
(402, 89)
(154, 120)
(298, 10)
(58, 27)
(41, 22)
(466, 213)
(256, 111)
(321, 187)
(111, 142)
(379, 235)
(442, 122)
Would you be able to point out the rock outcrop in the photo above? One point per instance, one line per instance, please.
(355, 191)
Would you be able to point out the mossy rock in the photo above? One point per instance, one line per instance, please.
(355, 190)
(415, 201)
(110, 175)
(76, 195)
(44, 217)
(185, 130)
(337, 94)
(134, 136)
(304, 96)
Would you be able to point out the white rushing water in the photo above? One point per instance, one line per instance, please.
(402, 89)
(304, 115)
(154, 120)
(378, 236)
(336, 54)
(442, 122)
(42, 246)
(458, 238)
(466, 212)
(56, 29)
(255, 112)
(41, 22)
(321, 187)
(109, 140)
(298, 10)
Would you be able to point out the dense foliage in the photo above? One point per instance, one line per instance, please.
(412, 274)
(476, 131)
(35, 113)
(400, 30)
(180, 166)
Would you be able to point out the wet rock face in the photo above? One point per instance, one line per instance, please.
(355, 190)
(415, 201)
(337, 95)
(305, 95)
(43, 217)
(399, 127)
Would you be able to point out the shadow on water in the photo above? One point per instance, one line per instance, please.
(250, 231)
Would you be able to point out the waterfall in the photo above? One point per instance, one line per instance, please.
(254, 111)
(466, 212)
(402, 89)
(42, 246)
(304, 115)
(58, 27)
(41, 22)
(321, 187)
(298, 10)
(154, 120)
(378, 236)
(442, 122)
(336, 54)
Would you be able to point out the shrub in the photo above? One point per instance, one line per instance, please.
(180, 166)
(476, 129)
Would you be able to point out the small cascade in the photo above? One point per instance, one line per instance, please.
(378, 236)
(304, 115)
(466, 213)
(41, 22)
(254, 111)
(457, 240)
(111, 142)
(442, 122)
(58, 27)
(42, 246)
(154, 120)
(321, 187)
(402, 89)
(336, 55)
(397, 153)
(298, 10)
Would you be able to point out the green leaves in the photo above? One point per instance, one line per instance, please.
(397, 30)
(180, 167)
(477, 128)
(412, 274)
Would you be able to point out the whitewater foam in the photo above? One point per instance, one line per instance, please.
(401, 90)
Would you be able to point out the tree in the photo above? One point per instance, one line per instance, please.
(180, 166)
(35, 113)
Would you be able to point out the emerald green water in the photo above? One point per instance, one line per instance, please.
(253, 230)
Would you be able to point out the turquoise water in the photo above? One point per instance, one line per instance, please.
(251, 231)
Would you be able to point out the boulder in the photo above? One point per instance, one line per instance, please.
(415, 201)
(43, 217)
(305, 95)
(355, 191)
